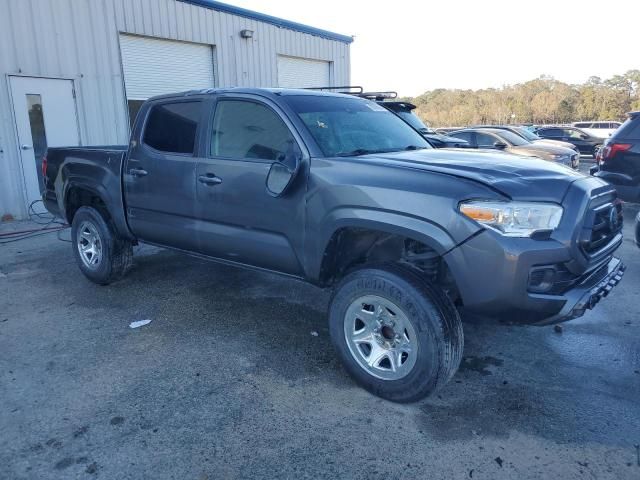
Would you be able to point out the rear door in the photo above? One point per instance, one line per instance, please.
(239, 220)
(160, 173)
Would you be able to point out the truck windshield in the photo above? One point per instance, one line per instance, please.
(351, 126)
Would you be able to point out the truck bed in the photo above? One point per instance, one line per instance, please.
(88, 170)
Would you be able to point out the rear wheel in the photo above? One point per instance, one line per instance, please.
(100, 253)
(399, 336)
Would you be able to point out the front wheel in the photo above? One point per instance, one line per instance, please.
(399, 336)
(100, 253)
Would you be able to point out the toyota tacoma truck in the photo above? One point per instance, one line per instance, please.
(336, 190)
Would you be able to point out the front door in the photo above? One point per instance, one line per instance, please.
(239, 220)
(45, 114)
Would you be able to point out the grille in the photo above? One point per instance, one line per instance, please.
(602, 223)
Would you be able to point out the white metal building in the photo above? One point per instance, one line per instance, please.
(73, 72)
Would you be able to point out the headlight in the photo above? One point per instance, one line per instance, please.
(562, 158)
(513, 219)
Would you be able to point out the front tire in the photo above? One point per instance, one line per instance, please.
(398, 336)
(100, 253)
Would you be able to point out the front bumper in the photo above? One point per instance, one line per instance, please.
(493, 278)
(589, 291)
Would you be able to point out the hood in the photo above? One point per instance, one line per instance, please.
(545, 149)
(517, 177)
(557, 143)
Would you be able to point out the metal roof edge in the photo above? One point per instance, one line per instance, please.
(262, 17)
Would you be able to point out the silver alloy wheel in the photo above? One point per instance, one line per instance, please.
(380, 337)
(89, 245)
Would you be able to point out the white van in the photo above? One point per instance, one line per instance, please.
(598, 129)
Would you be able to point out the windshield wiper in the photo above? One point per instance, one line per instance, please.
(365, 151)
(358, 152)
(414, 147)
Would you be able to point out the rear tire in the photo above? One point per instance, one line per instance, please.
(100, 253)
(399, 336)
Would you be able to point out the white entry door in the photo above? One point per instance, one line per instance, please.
(45, 114)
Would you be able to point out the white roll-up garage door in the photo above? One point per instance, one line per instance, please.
(155, 67)
(296, 72)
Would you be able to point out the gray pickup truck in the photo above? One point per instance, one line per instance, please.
(337, 191)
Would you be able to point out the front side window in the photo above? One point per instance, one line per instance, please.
(351, 126)
(571, 133)
(172, 127)
(245, 129)
(485, 141)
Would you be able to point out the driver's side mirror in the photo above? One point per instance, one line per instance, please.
(583, 136)
(283, 171)
(500, 145)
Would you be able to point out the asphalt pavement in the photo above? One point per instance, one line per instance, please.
(235, 377)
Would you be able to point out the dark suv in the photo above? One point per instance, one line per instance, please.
(587, 144)
(405, 111)
(619, 159)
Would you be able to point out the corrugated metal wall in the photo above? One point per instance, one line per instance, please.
(78, 39)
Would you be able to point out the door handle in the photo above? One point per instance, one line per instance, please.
(209, 179)
(137, 172)
(25, 147)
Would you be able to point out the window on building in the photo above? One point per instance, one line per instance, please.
(172, 127)
(243, 129)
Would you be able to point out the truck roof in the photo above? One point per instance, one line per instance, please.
(256, 91)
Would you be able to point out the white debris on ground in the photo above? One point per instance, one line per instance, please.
(314, 333)
(139, 323)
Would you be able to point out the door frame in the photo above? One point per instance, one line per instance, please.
(16, 136)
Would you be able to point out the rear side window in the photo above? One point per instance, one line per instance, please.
(172, 127)
(244, 129)
(462, 135)
(550, 132)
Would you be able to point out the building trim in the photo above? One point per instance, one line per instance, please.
(278, 22)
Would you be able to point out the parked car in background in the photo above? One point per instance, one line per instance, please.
(618, 162)
(598, 129)
(528, 135)
(499, 139)
(405, 111)
(586, 143)
(448, 130)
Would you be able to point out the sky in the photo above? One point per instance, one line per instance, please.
(415, 46)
